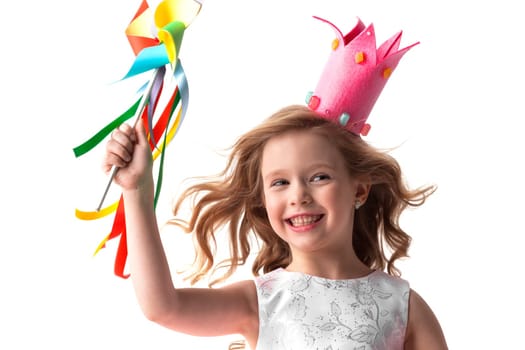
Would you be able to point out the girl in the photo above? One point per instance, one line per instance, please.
(324, 207)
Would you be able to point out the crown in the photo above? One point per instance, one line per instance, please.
(354, 76)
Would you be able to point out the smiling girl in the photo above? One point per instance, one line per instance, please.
(324, 208)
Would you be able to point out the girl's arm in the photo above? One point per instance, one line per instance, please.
(203, 312)
(423, 331)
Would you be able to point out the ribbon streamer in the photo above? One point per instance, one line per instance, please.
(152, 51)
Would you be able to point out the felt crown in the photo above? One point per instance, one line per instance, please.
(354, 76)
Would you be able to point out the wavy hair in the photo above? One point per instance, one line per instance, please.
(232, 200)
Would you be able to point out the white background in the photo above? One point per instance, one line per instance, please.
(454, 105)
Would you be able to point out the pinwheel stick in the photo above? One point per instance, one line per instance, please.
(140, 109)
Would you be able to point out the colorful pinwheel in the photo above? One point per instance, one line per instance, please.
(156, 52)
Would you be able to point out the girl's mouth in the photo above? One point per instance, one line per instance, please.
(304, 220)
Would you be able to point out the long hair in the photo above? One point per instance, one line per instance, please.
(232, 200)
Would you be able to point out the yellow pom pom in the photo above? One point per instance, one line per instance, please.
(359, 57)
(335, 44)
(387, 72)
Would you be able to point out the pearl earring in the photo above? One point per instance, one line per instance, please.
(358, 204)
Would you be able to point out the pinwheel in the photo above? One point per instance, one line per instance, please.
(156, 52)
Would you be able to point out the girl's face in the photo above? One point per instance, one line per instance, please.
(308, 194)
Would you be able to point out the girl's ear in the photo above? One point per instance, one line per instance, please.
(362, 190)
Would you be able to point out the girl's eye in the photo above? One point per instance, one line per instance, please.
(280, 182)
(320, 177)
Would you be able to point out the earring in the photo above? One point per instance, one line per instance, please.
(358, 204)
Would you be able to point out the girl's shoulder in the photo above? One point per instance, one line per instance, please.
(423, 329)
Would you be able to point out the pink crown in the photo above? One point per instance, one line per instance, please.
(354, 76)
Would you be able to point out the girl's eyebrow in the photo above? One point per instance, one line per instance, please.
(281, 172)
(321, 165)
(273, 174)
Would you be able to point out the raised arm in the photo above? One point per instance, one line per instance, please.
(204, 311)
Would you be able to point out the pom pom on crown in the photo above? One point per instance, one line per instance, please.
(354, 76)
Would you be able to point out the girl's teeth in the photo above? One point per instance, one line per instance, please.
(304, 220)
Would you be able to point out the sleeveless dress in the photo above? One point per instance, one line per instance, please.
(303, 312)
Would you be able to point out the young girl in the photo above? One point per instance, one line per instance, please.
(323, 203)
(324, 207)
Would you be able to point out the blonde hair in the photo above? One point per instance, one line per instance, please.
(233, 200)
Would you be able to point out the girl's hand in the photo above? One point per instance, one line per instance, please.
(128, 149)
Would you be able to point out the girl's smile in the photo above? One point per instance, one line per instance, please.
(304, 222)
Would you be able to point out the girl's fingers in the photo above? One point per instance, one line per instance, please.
(113, 160)
(119, 149)
(120, 146)
(128, 131)
(125, 128)
(124, 135)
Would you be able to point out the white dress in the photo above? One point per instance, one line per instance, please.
(303, 312)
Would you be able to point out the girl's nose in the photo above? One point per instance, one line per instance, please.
(300, 195)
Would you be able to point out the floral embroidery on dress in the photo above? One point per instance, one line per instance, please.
(299, 311)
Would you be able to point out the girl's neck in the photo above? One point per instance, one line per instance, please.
(331, 267)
